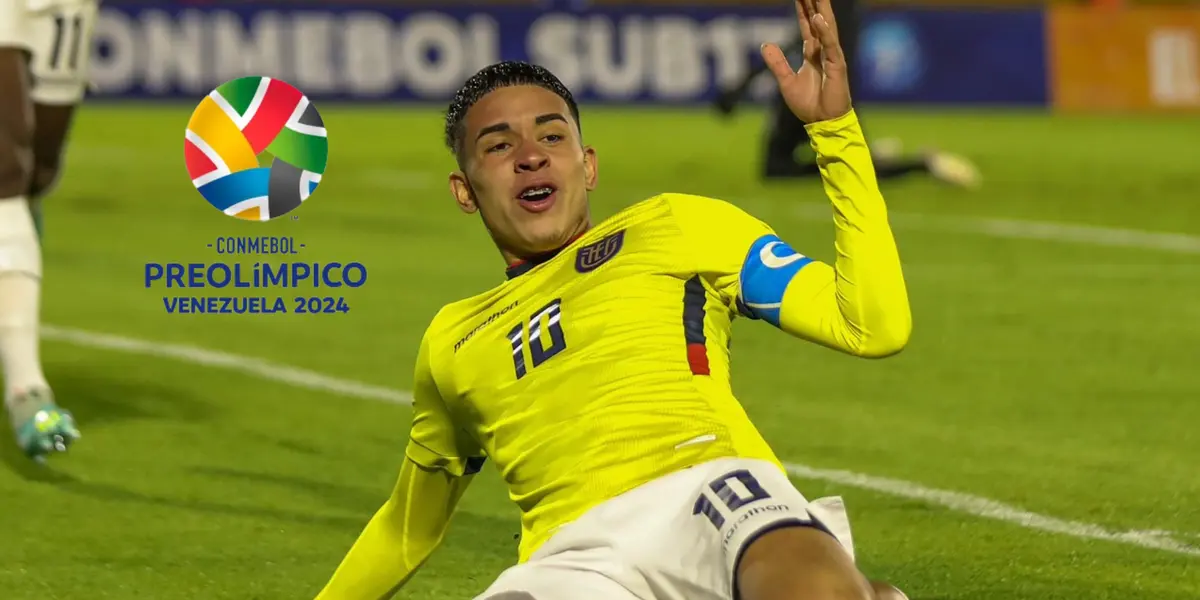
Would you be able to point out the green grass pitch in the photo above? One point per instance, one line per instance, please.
(1055, 375)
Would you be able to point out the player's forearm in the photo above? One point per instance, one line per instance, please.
(861, 305)
(400, 537)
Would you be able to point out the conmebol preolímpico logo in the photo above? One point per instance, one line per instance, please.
(256, 148)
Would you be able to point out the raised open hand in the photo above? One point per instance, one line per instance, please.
(820, 89)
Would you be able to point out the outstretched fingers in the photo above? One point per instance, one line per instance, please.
(812, 47)
(778, 63)
(824, 25)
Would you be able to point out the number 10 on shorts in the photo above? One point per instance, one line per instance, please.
(732, 499)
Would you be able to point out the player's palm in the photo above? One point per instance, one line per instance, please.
(820, 89)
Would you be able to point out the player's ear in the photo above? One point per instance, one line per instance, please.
(590, 172)
(464, 196)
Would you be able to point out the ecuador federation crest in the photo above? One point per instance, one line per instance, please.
(591, 256)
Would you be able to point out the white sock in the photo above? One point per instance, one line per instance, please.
(20, 294)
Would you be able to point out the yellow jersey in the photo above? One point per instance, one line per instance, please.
(596, 369)
(605, 365)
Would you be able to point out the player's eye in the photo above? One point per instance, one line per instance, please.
(498, 147)
(553, 138)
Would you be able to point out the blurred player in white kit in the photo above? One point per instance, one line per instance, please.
(45, 46)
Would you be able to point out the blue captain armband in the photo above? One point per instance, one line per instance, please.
(768, 269)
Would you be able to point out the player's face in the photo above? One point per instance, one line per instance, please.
(525, 170)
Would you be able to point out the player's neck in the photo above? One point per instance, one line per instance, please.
(519, 263)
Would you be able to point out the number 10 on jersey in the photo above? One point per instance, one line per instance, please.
(545, 322)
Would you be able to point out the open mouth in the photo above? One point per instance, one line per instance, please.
(537, 198)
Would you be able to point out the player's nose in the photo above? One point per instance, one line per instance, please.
(532, 158)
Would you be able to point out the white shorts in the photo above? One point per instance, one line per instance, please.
(58, 36)
(676, 538)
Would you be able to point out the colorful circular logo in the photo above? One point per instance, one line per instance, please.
(256, 148)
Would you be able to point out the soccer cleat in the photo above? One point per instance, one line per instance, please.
(953, 169)
(39, 425)
(886, 149)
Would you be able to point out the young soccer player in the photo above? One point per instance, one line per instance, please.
(597, 377)
(44, 48)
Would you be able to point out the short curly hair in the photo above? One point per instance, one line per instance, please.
(492, 78)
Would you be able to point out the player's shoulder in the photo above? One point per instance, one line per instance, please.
(457, 317)
(452, 313)
(436, 327)
(447, 319)
(679, 205)
(704, 213)
(692, 205)
(698, 219)
(680, 200)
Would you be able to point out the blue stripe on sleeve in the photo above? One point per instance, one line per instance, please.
(768, 269)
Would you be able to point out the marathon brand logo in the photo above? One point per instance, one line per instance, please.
(753, 512)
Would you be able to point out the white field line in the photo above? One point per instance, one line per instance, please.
(211, 358)
(992, 509)
(1021, 229)
(956, 501)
